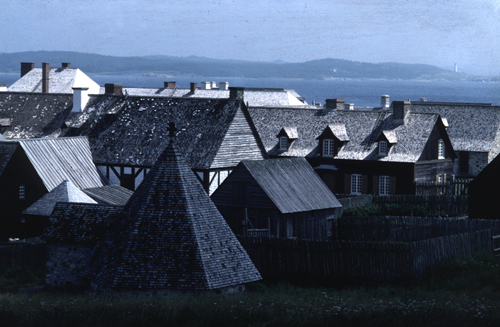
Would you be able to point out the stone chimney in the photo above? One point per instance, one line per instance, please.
(192, 87)
(80, 98)
(236, 93)
(45, 77)
(206, 85)
(66, 65)
(113, 88)
(169, 85)
(331, 104)
(224, 86)
(26, 67)
(399, 111)
(384, 101)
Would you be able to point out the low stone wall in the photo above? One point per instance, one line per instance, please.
(64, 262)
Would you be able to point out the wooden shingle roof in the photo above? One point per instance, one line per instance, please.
(109, 194)
(132, 131)
(291, 184)
(170, 236)
(78, 223)
(65, 192)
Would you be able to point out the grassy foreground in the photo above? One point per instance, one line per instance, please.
(460, 292)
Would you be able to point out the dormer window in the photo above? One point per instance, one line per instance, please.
(440, 149)
(286, 136)
(328, 148)
(283, 143)
(382, 148)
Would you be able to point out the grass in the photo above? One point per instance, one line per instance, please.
(459, 292)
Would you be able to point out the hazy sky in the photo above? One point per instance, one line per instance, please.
(436, 32)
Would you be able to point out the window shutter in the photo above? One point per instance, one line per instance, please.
(375, 185)
(393, 185)
(364, 184)
(347, 184)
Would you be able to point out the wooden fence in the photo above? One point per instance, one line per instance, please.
(406, 229)
(433, 203)
(29, 255)
(349, 201)
(275, 258)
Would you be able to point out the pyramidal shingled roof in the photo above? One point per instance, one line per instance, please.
(64, 192)
(170, 236)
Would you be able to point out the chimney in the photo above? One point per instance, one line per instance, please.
(206, 85)
(80, 98)
(349, 106)
(334, 104)
(113, 88)
(399, 111)
(26, 67)
(169, 85)
(224, 86)
(45, 77)
(384, 101)
(66, 65)
(3, 87)
(192, 87)
(236, 93)
(214, 85)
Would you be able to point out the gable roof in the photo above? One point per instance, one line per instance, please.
(34, 114)
(132, 131)
(59, 159)
(65, 192)
(291, 184)
(61, 80)
(471, 127)
(6, 152)
(81, 223)
(170, 236)
(109, 194)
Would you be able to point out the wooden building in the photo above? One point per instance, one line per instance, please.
(484, 192)
(31, 168)
(378, 152)
(127, 133)
(277, 198)
(169, 237)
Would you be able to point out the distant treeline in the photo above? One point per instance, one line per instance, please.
(199, 66)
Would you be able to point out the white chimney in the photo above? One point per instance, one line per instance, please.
(224, 86)
(3, 87)
(80, 98)
(214, 85)
(206, 85)
(384, 102)
(349, 106)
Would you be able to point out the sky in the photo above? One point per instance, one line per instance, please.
(435, 32)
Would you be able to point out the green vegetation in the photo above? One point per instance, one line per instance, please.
(372, 209)
(458, 292)
(11, 279)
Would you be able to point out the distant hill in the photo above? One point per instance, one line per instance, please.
(200, 66)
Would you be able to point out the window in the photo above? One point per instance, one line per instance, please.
(382, 148)
(356, 182)
(328, 148)
(440, 179)
(384, 185)
(22, 191)
(283, 143)
(440, 149)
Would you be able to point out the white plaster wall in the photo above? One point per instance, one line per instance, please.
(82, 80)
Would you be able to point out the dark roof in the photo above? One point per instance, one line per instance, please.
(360, 132)
(65, 192)
(110, 194)
(132, 131)
(6, 152)
(60, 159)
(78, 222)
(471, 127)
(291, 184)
(170, 236)
(34, 114)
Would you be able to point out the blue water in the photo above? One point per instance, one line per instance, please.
(360, 92)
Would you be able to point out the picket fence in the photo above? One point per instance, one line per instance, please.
(28, 255)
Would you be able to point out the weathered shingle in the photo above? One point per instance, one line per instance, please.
(170, 236)
(65, 192)
(109, 194)
(291, 184)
